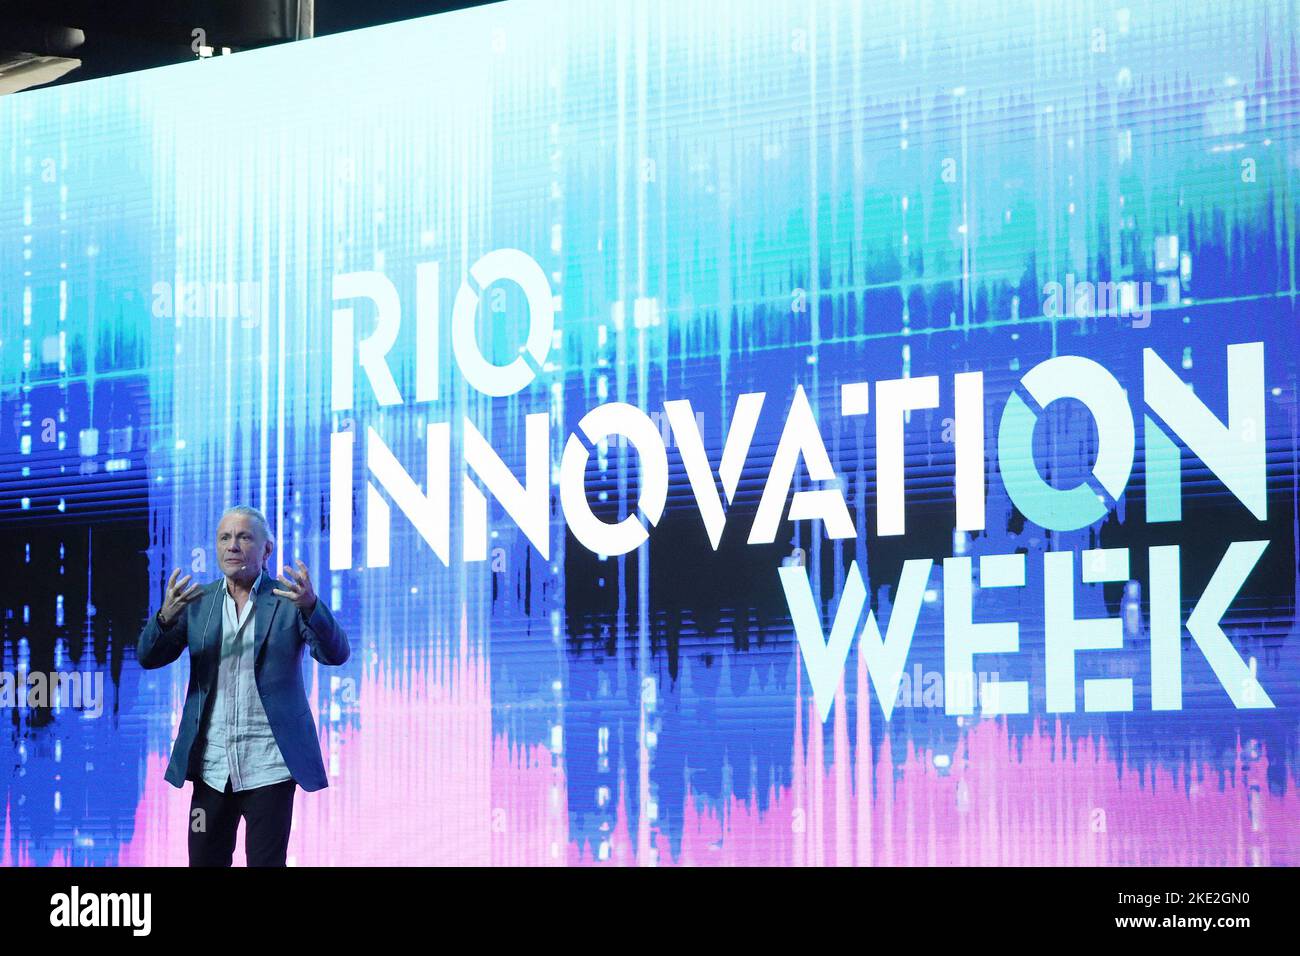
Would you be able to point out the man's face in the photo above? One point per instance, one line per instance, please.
(241, 549)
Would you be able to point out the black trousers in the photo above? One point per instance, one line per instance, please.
(214, 821)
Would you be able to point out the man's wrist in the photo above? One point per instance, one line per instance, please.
(162, 621)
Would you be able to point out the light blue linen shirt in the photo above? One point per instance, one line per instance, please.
(240, 745)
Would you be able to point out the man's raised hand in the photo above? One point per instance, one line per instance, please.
(299, 591)
(176, 597)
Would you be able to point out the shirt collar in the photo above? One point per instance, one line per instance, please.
(257, 584)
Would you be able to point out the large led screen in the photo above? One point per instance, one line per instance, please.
(729, 433)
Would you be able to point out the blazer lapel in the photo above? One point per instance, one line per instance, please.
(211, 615)
(263, 614)
(210, 610)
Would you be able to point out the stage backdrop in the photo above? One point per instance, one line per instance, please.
(730, 433)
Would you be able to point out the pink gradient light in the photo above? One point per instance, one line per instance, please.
(424, 780)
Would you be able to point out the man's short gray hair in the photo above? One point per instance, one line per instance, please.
(248, 511)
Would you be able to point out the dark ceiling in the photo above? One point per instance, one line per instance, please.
(126, 35)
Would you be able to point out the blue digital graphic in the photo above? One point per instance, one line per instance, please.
(782, 433)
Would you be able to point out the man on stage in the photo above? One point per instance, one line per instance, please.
(247, 736)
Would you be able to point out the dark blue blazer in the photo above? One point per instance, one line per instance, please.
(280, 634)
